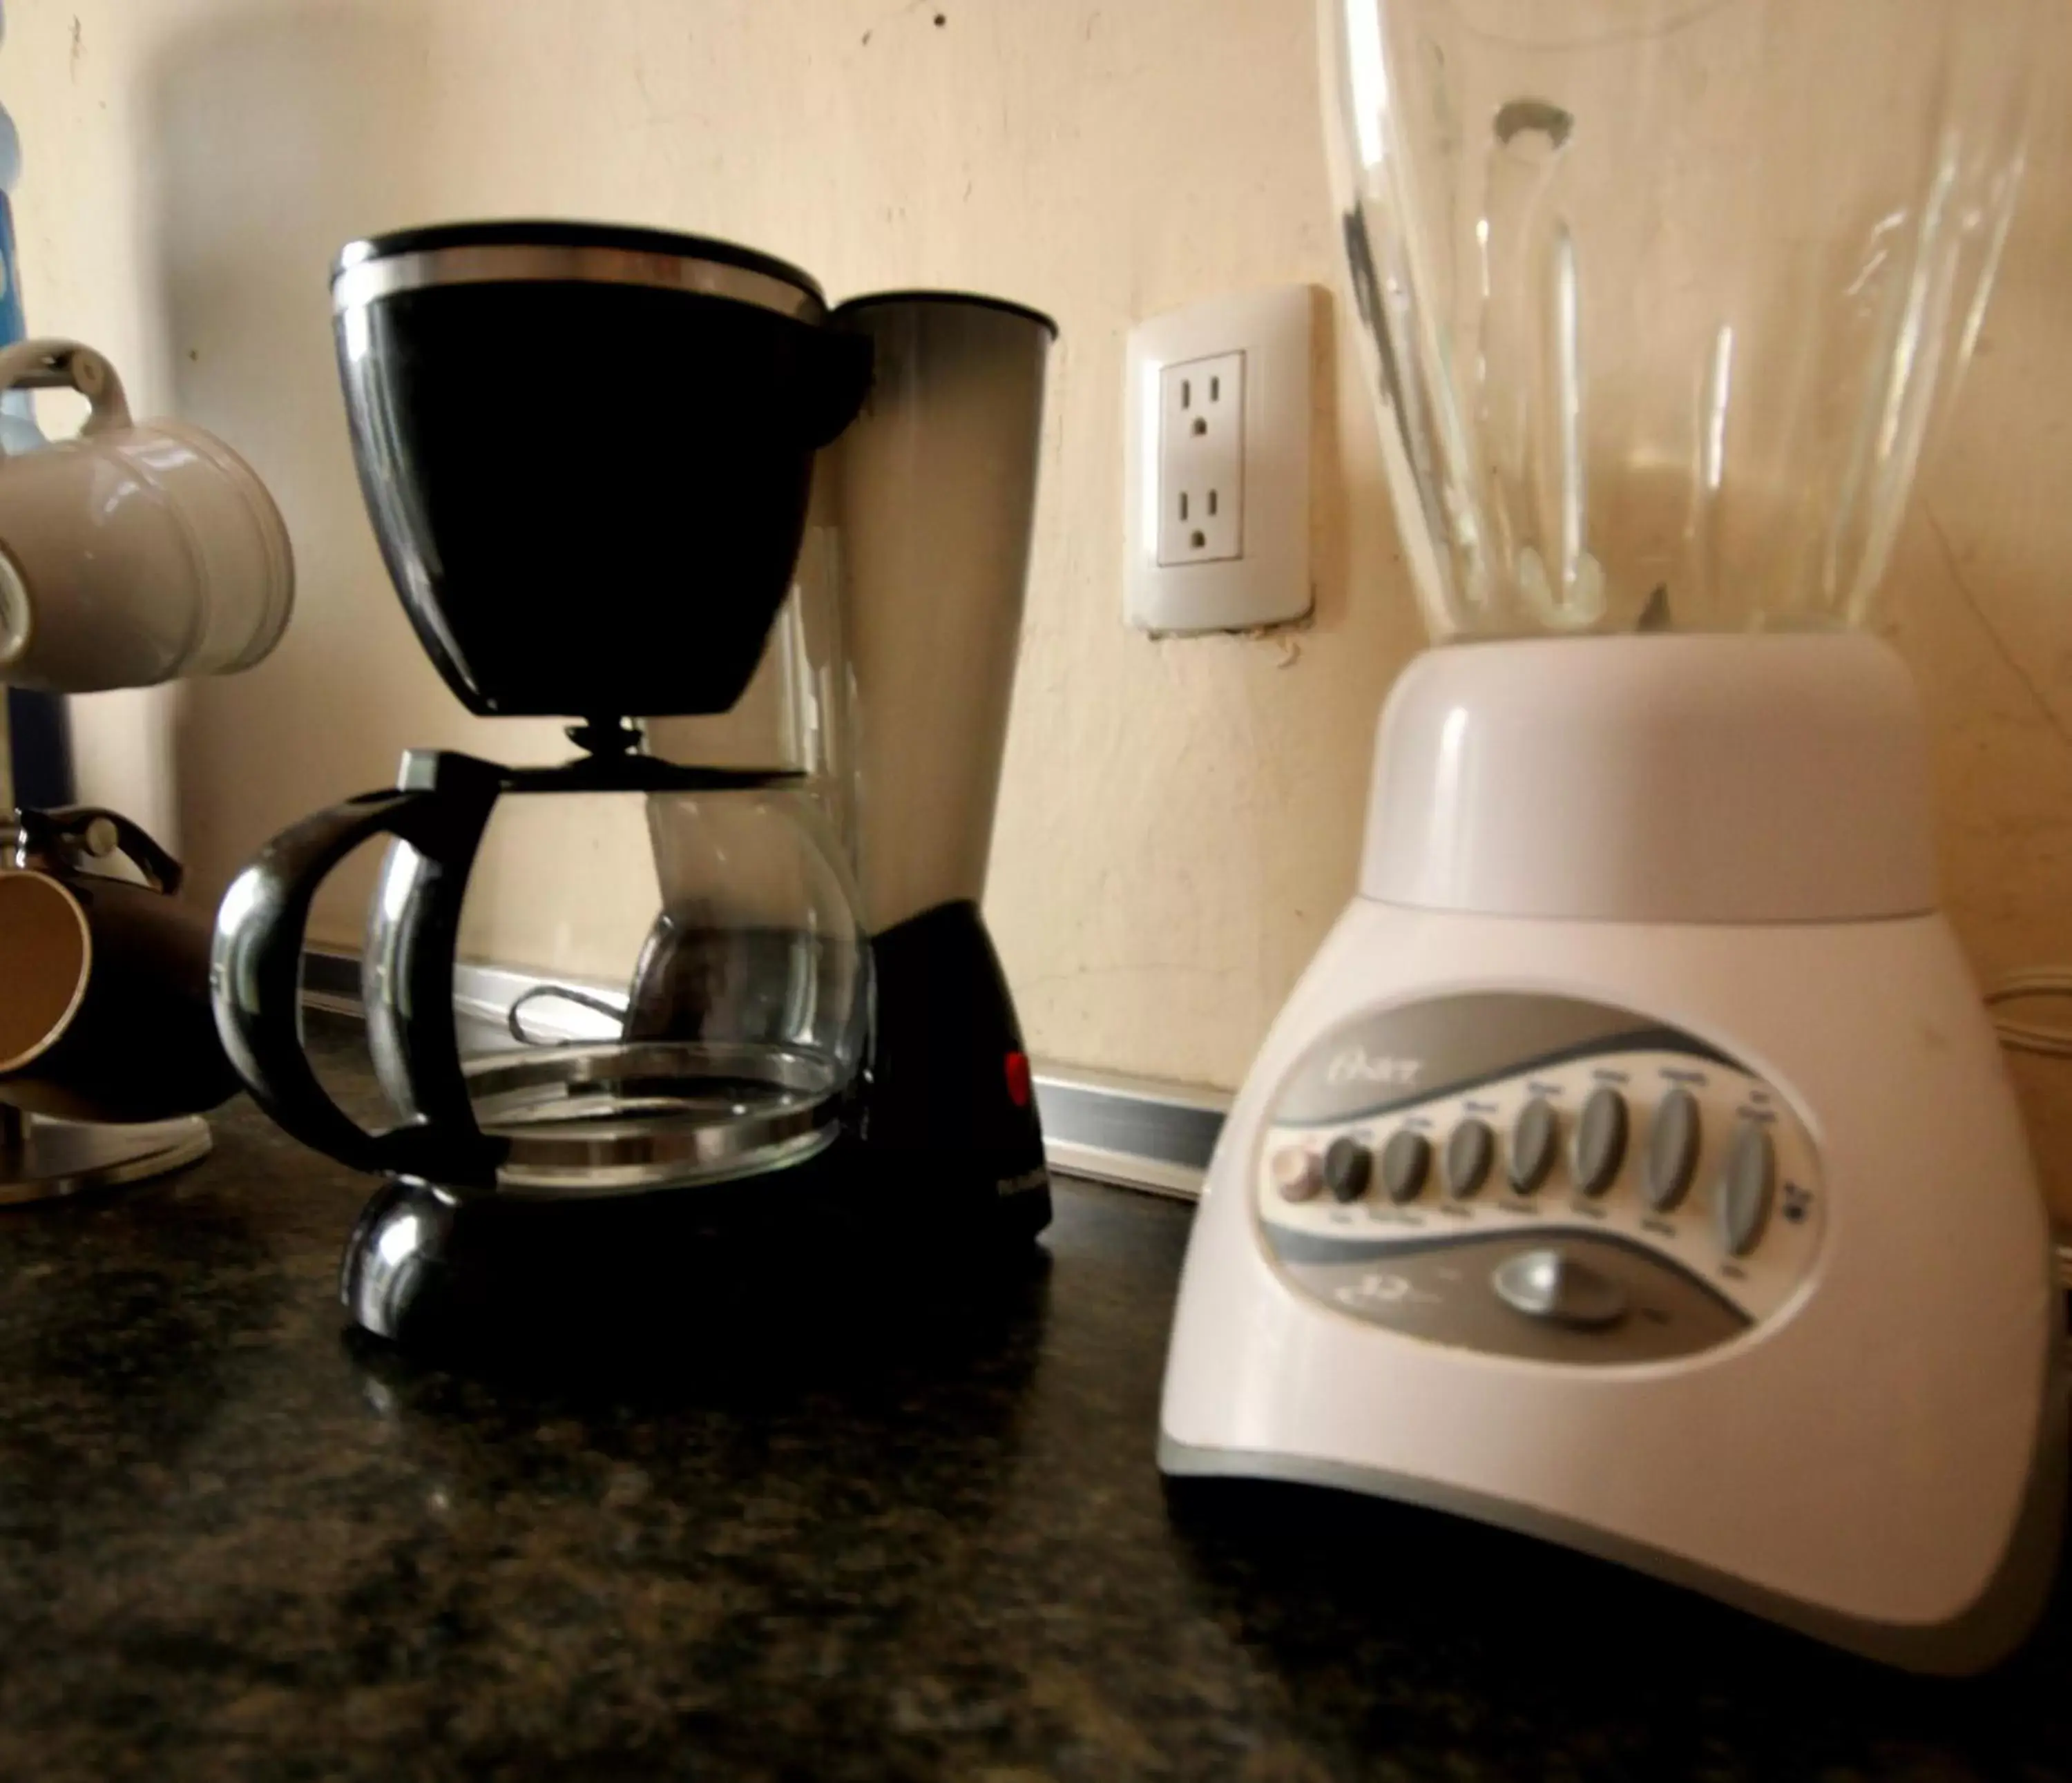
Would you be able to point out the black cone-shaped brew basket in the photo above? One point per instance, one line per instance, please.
(587, 453)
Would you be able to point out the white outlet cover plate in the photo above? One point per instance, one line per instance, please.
(1268, 582)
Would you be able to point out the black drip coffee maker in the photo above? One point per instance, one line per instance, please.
(718, 988)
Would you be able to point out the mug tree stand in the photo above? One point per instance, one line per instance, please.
(41, 1159)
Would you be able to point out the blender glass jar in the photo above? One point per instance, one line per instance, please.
(1659, 297)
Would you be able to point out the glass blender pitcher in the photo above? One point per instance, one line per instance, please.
(1659, 297)
(1634, 1167)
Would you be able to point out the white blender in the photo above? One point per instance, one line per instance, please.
(1634, 1166)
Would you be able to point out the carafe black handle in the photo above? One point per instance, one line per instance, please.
(255, 971)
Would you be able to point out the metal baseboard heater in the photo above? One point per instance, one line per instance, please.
(1136, 1131)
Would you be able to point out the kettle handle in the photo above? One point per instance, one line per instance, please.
(255, 975)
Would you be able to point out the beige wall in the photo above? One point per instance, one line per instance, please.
(1179, 818)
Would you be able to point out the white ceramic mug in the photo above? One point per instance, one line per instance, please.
(130, 554)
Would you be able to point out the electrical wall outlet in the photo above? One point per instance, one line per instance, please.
(1201, 460)
(1217, 522)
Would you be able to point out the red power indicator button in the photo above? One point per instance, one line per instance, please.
(1018, 1081)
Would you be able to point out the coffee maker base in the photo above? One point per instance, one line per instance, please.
(509, 1278)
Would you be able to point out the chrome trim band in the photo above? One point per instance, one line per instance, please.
(354, 286)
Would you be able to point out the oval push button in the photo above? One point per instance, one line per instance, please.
(1536, 1137)
(1672, 1150)
(1469, 1153)
(1347, 1164)
(1600, 1141)
(1406, 1161)
(1748, 1183)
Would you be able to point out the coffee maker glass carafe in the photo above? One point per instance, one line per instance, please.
(547, 1021)
(679, 995)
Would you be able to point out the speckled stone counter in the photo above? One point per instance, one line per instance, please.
(234, 1543)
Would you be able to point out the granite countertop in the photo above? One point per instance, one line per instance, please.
(236, 1542)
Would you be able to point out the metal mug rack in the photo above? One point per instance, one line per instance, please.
(42, 1159)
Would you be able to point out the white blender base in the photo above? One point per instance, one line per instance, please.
(1998, 1623)
(1878, 1458)
(1777, 1318)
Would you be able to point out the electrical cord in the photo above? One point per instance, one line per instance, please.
(2031, 1037)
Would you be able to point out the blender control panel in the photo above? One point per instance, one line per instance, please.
(1538, 1176)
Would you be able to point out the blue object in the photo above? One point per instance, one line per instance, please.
(11, 326)
(39, 736)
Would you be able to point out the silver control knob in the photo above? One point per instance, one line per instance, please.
(1549, 1283)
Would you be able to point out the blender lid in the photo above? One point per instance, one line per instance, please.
(519, 250)
(976, 300)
